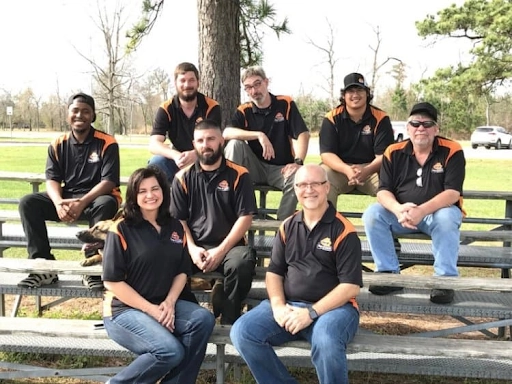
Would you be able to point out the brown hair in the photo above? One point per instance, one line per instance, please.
(185, 67)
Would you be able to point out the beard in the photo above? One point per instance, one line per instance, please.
(187, 97)
(210, 158)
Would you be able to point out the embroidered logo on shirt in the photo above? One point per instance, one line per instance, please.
(223, 186)
(93, 158)
(437, 168)
(367, 130)
(199, 119)
(175, 238)
(325, 245)
(279, 117)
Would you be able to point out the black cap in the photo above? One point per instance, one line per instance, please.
(426, 108)
(355, 79)
(86, 99)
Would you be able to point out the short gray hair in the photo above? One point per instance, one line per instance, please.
(253, 71)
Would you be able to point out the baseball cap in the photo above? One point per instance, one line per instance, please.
(355, 79)
(86, 99)
(424, 107)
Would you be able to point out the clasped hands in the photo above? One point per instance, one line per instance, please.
(207, 260)
(69, 210)
(409, 215)
(293, 319)
(358, 175)
(163, 313)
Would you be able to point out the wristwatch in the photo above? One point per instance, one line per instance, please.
(312, 313)
(298, 161)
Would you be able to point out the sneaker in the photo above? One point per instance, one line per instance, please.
(442, 296)
(94, 283)
(218, 297)
(36, 280)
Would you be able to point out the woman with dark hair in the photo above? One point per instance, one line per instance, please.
(148, 306)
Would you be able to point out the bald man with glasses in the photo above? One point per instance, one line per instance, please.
(420, 190)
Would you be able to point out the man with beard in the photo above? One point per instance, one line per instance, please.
(82, 183)
(214, 199)
(269, 137)
(176, 118)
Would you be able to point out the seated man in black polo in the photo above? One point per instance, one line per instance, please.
(269, 137)
(82, 183)
(214, 199)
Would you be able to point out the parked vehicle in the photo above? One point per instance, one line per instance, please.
(400, 130)
(491, 136)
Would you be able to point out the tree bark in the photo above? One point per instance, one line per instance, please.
(219, 53)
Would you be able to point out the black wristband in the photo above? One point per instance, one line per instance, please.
(298, 161)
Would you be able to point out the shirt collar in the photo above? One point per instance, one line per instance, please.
(327, 218)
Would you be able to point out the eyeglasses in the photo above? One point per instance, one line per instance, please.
(419, 180)
(313, 185)
(255, 85)
(426, 124)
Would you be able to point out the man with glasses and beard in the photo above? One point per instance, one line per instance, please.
(269, 137)
(176, 119)
(214, 200)
(420, 190)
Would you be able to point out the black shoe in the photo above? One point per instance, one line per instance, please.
(218, 297)
(382, 290)
(398, 246)
(442, 296)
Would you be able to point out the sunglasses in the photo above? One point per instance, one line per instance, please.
(426, 124)
(419, 180)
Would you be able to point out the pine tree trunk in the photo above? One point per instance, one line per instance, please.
(219, 53)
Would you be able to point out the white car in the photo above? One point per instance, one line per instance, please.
(491, 136)
(400, 130)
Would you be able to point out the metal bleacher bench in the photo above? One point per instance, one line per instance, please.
(368, 352)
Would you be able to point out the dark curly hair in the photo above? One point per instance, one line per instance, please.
(131, 210)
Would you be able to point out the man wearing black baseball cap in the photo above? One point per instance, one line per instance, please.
(82, 183)
(420, 190)
(353, 137)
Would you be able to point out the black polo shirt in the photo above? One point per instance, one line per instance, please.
(211, 202)
(314, 262)
(281, 122)
(146, 260)
(444, 169)
(356, 143)
(81, 166)
(171, 120)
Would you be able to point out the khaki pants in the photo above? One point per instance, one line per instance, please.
(261, 172)
(339, 184)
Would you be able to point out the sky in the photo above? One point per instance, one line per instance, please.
(40, 40)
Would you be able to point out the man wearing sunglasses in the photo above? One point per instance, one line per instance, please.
(353, 138)
(420, 190)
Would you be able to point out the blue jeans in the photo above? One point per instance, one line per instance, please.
(173, 357)
(165, 165)
(443, 226)
(256, 332)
